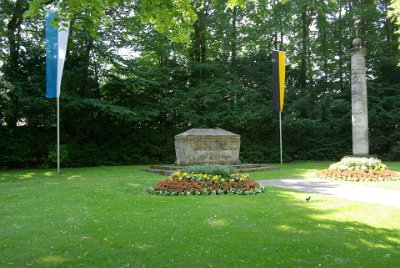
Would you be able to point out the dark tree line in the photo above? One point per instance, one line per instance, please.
(123, 109)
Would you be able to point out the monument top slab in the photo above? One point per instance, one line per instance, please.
(207, 132)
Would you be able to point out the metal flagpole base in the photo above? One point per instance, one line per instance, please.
(280, 135)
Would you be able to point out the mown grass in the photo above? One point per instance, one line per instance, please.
(291, 170)
(102, 217)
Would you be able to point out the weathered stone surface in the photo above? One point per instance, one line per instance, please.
(359, 102)
(207, 146)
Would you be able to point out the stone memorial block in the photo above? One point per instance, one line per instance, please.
(207, 146)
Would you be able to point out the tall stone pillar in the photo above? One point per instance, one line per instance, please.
(359, 102)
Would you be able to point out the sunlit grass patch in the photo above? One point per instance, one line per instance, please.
(102, 217)
(52, 260)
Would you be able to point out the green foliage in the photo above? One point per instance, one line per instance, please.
(171, 17)
(394, 152)
(359, 169)
(395, 11)
(14, 149)
(222, 170)
(67, 10)
(234, 3)
(24, 147)
(383, 119)
(52, 156)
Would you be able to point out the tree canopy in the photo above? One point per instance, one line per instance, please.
(139, 72)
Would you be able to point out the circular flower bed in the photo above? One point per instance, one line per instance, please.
(358, 169)
(184, 183)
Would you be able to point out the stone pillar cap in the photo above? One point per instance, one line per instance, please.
(357, 42)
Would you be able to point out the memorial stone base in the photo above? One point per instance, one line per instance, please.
(208, 146)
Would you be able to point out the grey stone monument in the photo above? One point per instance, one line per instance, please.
(359, 102)
(207, 146)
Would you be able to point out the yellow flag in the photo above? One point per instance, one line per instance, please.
(278, 79)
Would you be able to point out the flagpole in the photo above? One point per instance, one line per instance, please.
(280, 133)
(278, 88)
(58, 135)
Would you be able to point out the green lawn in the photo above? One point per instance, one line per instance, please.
(292, 170)
(101, 217)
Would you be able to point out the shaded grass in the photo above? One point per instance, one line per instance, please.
(101, 217)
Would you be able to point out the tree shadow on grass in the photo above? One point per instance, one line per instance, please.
(281, 229)
(328, 231)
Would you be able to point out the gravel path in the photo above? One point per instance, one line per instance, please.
(346, 191)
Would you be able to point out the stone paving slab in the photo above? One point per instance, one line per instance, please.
(345, 191)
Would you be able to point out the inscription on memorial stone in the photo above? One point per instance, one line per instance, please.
(207, 146)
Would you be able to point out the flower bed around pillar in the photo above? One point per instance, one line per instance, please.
(184, 183)
(359, 169)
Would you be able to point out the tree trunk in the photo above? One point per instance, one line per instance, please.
(198, 52)
(234, 35)
(304, 49)
(13, 35)
(340, 47)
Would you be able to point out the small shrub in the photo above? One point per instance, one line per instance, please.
(358, 169)
(184, 183)
(221, 170)
(52, 155)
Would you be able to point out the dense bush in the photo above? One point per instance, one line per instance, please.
(183, 183)
(136, 120)
(358, 169)
(222, 170)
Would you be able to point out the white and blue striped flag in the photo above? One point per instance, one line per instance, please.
(56, 48)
